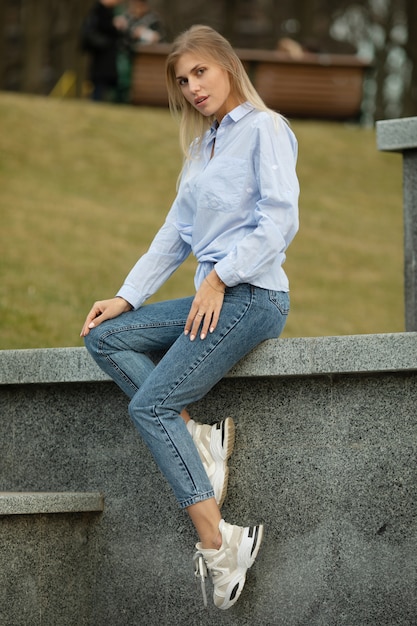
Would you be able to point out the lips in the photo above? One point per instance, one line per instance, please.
(200, 100)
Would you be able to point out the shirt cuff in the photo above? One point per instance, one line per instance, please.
(227, 274)
(131, 295)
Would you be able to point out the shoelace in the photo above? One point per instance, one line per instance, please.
(200, 571)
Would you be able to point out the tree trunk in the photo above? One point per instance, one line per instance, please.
(3, 10)
(34, 29)
(410, 100)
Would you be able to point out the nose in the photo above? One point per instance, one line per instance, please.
(193, 84)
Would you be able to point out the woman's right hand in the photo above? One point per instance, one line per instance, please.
(104, 310)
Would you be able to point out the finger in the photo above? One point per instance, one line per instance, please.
(96, 321)
(85, 329)
(198, 319)
(91, 319)
(88, 325)
(190, 319)
(214, 320)
(188, 324)
(206, 325)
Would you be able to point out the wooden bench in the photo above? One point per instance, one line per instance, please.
(326, 86)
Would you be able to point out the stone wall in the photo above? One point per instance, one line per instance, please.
(401, 136)
(325, 457)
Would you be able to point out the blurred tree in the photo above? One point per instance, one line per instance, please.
(3, 52)
(45, 34)
(379, 29)
(41, 38)
(410, 100)
(34, 35)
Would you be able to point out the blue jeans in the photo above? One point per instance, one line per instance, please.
(159, 391)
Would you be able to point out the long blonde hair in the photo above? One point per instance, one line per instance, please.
(211, 46)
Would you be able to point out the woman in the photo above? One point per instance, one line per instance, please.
(236, 210)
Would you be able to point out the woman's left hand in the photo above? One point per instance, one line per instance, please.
(206, 307)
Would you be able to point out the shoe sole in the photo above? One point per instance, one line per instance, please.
(247, 553)
(221, 447)
(249, 547)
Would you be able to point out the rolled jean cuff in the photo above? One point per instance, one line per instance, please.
(196, 499)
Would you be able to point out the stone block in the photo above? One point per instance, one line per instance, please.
(325, 457)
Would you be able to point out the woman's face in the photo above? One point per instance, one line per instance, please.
(205, 85)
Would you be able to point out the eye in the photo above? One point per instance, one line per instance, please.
(200, 71)
(182, 82)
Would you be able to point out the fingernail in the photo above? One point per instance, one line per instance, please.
(212, 329)
(186, 332)
(192, 337)
(91, 325)
(202, 336)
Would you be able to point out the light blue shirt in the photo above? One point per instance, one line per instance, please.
(237, 212)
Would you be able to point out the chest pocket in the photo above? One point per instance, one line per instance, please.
(221, 185)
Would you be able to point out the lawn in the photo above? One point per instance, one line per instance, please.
(84, 187)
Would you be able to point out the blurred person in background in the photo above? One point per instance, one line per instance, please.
(140, 27)
(100, 37)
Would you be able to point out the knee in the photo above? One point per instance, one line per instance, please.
(91, 341)
(136, 412)
(141, 405)
(136, 405)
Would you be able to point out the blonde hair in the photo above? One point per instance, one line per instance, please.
(211, 46)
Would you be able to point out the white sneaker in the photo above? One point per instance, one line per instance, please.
(229, 564)
(215, 446)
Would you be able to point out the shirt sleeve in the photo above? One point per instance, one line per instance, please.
(166, 253)
(276, 211)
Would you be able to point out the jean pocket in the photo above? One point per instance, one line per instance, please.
(281, 300)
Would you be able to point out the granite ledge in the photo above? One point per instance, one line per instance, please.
(397, 135)
(304, 356)
(35, 503)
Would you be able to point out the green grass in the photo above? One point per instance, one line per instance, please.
(84, 187)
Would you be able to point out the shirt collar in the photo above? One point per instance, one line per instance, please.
(234, 115)
(240, 111)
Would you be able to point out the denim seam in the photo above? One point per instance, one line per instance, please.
(123, 329)
(131, 327)
(174, 449)
(198, 497)
(176, 384)
(195, 499)
(117, 369)
(283, 310)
